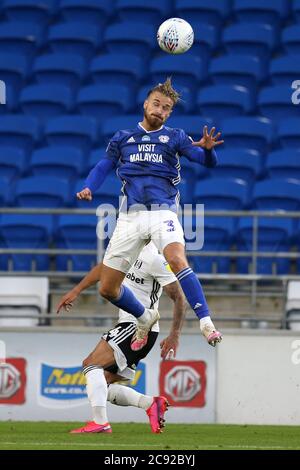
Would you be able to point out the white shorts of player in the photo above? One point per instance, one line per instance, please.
(134, 230)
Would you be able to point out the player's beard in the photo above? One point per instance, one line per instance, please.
(154, 121)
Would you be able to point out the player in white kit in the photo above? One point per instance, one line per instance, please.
(147, 278)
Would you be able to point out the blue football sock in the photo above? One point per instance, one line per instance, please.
(193, 292)
(128, 302)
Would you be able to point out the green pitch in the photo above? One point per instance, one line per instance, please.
(41, 435)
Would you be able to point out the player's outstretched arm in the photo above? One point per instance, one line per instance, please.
(92, 277)
(209, 140)
(176, 294)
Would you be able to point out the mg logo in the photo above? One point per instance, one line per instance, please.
(182, 383)
(10, 380)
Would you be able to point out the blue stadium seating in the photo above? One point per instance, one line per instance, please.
(250, 39)
(206, 41)
(130, 38)
(114, 124)
(283, 70)
(284, 163)
(94, 158)
(275, 103)
(63, 69)
(76, 232)
(213, 13)
(20, 38)
(90, 11)
(104, 101)
(261, 12)
(296, 10)
(25, 231)
(144, 12)
(118, 69)
(13, 69)
(108, 193)
(80, 38)
(221, 101)
(238, 69)
(35, 11)
(238, 163)
(186, 71)
(249, 132)
(288, 132)
(276, 193)
(190, 174)
(273, 236)
(78, 131)
(290, 39)
(193, 125)
(185, 105)
(222, 193)
(19, 131)
(11, 99)
(42, 191)
(5, 192)
(12, 162)
(46, 101)
(62, 162)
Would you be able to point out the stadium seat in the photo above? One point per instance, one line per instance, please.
(143, 12)
(13, 69)
(76, 232)
(118, 69)
(222, 193)
(108, 193)
(90, 11)
(186, 103)
(12, 162)
(5, 192)
(19, 131)
(218, 234)
(288, 132)
(83, 39)
(213, 13)
(206, 41)
(277, 194)
(290, 39)
(192, 125)
(238, 69)
(77, 131)
(46, 101)
(62, 69)
(190, 174)
(116, 123)
(284, 163)
(130, 38)
(34, 11)
(62, 162)
(28, 231)
(261, 12)
(20, 38)
(238, 163)
(296, 10)
(283, 70)
(94, 158)
(276, 104)
(221, 101)
(254, 133)
(42, 191)
(273, 236)
(11, 100)
(249, 39)
(104, 101)
(186, 71)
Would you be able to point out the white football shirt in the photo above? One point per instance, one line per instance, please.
(146, 278)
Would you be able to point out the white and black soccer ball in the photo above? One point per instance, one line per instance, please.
(175, 36)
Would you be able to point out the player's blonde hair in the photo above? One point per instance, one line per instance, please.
(166, 89)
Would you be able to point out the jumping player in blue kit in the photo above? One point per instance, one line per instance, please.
(148, 161)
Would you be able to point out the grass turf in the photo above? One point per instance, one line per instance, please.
(133, 436)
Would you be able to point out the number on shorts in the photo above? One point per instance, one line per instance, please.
(170, 224)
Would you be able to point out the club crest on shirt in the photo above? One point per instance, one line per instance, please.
(146, 138)
(164, 138)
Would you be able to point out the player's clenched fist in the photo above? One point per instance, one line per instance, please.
(85, 194)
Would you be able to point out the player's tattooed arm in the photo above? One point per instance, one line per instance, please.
(209, 140)
(175, 293)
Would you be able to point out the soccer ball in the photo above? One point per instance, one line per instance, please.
(175, 36)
